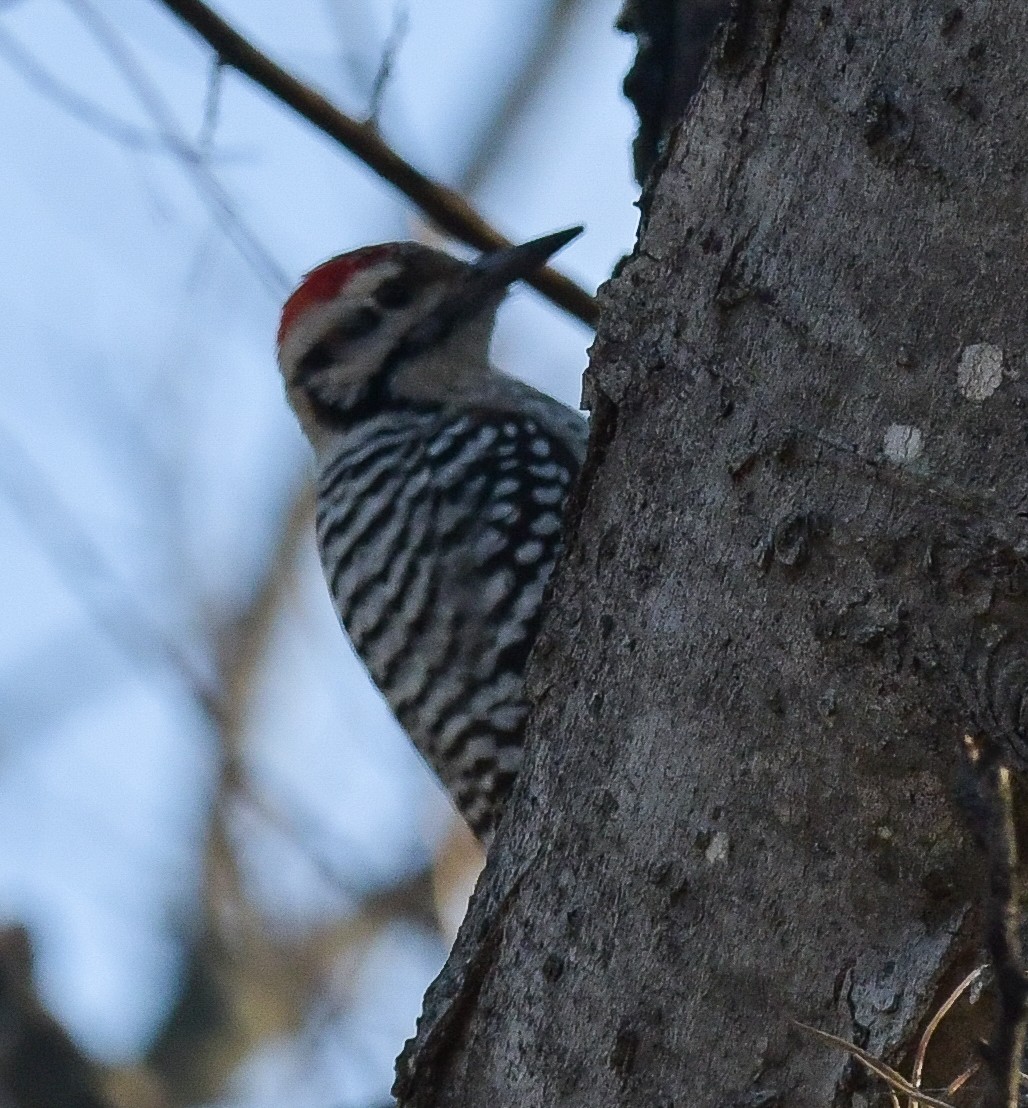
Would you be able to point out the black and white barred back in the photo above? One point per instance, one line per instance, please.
(438, 531)
(442, 485)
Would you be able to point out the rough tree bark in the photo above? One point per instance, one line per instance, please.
(799, 576)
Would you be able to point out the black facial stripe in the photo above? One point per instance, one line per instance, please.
(363, 321)
(397, 292)
(324, 353)
(318, 358)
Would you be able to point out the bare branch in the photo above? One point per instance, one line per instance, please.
(447, 208)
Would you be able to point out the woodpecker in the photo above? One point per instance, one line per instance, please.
(441, 484)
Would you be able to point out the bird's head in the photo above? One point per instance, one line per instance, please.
(395, 323)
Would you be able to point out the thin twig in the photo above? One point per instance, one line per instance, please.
(940, 1015)
(447, 208)
(893, 1078)
(115, 607)
(959, 1082)
(211, 107)
(552, 30)
(390, 51)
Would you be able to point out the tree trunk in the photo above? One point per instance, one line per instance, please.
(797, 579)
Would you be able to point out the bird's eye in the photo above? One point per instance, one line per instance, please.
(395, 293)
(318, 358)
(361, 323)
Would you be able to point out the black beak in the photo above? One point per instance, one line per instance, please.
(503, 267)
(485, 278)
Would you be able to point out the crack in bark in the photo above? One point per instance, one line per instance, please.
(784, 7)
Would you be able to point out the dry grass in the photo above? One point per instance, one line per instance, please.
(899, 1086)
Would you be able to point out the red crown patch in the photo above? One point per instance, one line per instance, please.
(324, 283)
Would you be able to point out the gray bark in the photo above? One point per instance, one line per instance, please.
(799, 576)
